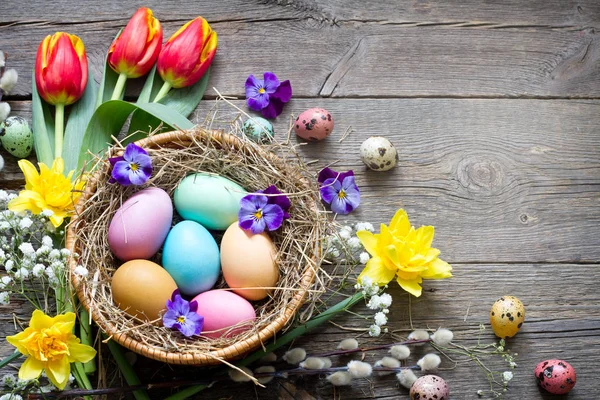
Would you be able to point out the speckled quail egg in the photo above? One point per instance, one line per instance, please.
(378, 153)
(507, 316)
(258, 130)
(555, 376)
(429, 387)
(16, 136)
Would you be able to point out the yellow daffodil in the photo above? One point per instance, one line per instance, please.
(47, 190)
(49, 344)
(400, 251)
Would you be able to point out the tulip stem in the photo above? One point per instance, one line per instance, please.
(119, 87)
(59, 128)
(163, 92)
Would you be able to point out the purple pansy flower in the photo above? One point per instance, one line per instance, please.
(339, 190)
(277, 198)
(134, 167)
(267, 95)
(257, 214)
(181, 315)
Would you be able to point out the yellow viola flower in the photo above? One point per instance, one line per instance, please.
(47, 190)
(400, 251)
(50, 345)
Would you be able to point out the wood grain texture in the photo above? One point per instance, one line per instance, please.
(366, 60)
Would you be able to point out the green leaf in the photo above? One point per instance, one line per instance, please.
(110, 117)
(79, 117)
(43, 127)
(185, 100)
(108, 82)
(151, 87)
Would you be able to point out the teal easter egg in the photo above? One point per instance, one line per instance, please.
(191, 257)
(211, 200)
(258, 130)
(16, 137)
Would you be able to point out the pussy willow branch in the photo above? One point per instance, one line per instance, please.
(364, 349)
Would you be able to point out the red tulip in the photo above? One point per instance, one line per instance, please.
(136, 49)
(61, 69)
(187, 54)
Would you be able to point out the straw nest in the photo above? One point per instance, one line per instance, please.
(175, 155)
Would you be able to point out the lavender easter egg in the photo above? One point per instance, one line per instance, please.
(429, 387)
(555, 376)
(140, 226)
(314, 124)
(223, 310)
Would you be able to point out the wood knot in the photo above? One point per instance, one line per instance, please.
(481, 174)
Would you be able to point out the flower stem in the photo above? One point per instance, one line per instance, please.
(162, 92)
(282, 341)
(10, 358)
(81, 378)
(59, 129)
(119, 87)
(85, 332)
(126, 369)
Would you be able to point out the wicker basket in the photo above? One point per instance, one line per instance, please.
(118, 325)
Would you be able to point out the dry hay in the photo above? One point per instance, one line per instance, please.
(174, 156)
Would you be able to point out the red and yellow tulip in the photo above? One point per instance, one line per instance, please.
(187, 54)
(135, 50)
(61, 69)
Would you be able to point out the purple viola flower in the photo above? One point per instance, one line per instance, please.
(277, 198)
(339, 190)
(257, 214)
(267, 95)
(181, 315)
(134, 167)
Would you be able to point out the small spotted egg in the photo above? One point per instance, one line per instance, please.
(314, 124)
(555, 376)
(507, 316)
(258, 130)
(378, 153)
(16, 136)
(429, 387)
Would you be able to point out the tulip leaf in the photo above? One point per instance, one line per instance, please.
(79, 117)
(110, 117)
(108, 82)
(151, 87)
(185, 100)
(43, 126)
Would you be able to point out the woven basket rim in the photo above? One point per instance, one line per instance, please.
(182, 138)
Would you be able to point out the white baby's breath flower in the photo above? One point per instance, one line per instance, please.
(4, 298)
(265, 369)
(374, 330)
(245, 375)
(374, 302)
(442, 337)
(3, 195)
(429, 362)
(364, 257)
(54, 254)
(335, 253)
(340, 378)
(385, 300)
(400, 352)
(81, 271)
(2, 256)
(348, 344)
(364, 226)
(43, 250)
(5, 281)
(47, 241)
(359, 369)
(27, 249)
(25, 223)
(9, 265)
(345, 232)
(4, 226)
(294, 356)
(354, 242)
(38, 270)
(11, 396)
(512, 364)
(406, 377)
(22, 273)
(9, 380)
(507, 376)
(47, 213)
(380, 319)
(65, 252)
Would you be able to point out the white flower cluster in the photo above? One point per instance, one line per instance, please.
(378, 301)
(345, 246)
(27, 251)
(41, 385)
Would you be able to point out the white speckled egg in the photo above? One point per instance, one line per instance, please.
(378, 153)
(429, 387)
(16, 137)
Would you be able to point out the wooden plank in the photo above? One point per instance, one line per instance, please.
(562, 321)
(501, 180)
(368, 60)
(534, 14)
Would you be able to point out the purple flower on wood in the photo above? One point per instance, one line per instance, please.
(181, 315)
(276, 197)
(267, 95)
(134, 167)
(257, 214)
(339, 190)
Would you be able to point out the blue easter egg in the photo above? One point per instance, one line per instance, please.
(258, 130)
(191, 257)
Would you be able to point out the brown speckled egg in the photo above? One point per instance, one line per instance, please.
(507, 316)
(429, 387)
(314, 124)
(555, 376)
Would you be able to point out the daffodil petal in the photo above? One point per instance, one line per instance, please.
(31, 369)
(376, 270)
(58, 371)
(438, 269)
(39, 320)
(425, 235)
(368, 241)
(80, 352)
(412, 287)
(400, 223)
(31, 175)
(56, 220)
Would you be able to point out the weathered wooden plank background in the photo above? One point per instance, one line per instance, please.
(495, 110)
